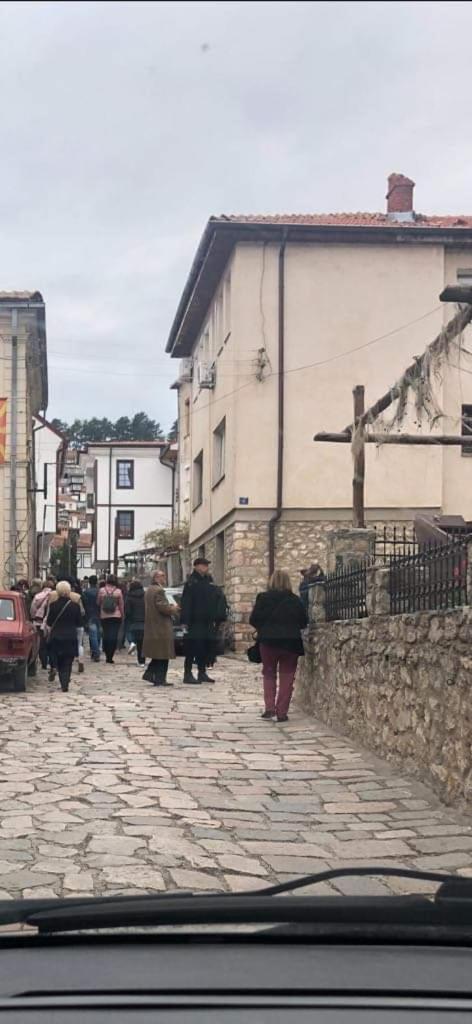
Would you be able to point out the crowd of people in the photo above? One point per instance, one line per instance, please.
(118, 614)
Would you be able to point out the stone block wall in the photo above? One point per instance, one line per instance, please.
(402, 686)
(297, 544)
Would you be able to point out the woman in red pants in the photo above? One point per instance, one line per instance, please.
(279, 617)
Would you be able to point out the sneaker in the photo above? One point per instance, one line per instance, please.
(282, 718)
(132, 649)
(191, 679)
(203, 677)
(268, 714)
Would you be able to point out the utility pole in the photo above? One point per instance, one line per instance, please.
(358, 503)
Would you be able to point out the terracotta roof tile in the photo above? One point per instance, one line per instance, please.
(352, 220)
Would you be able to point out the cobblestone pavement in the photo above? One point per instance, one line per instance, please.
(119, 787)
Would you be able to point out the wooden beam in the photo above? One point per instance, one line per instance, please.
(358, 517)
(450, 331)
(416, 439)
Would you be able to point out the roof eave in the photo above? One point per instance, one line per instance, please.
(220, 236)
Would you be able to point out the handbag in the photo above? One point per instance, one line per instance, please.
(47, 630)
(254, 652)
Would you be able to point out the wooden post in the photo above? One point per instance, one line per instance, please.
(358, 517)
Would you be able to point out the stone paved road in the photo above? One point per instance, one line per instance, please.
(118, 787)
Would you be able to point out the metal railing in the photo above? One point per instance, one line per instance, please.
(428, 577)
(346, 593)
(394, 541)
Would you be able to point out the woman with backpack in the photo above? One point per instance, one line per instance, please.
(279, 617)
(111, 605)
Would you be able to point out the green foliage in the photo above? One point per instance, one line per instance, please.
(173, 434)
(167, 539)
(139, 428)
(63, 560)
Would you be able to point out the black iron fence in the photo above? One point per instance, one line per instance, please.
(394, 541)
(429, 576)
(346, 593)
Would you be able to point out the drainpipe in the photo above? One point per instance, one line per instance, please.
(109, 509)
(13, 439)
(280, 407)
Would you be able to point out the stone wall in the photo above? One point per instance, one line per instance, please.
(297, 544)
(400, 685)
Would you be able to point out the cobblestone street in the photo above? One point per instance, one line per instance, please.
(119, 787)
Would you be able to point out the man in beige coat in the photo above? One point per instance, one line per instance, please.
(158, 643)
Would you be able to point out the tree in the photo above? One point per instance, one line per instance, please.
(167, 539)
(122, 429)
(145, 429)
(140, 428)
(64, 559)
(173, 434)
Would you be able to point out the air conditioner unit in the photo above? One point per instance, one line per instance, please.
(206, 376)
(186, 371)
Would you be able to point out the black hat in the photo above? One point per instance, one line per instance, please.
(202, 561)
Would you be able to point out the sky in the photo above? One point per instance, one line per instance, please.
(124, 126)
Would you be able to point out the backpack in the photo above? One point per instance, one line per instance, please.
(109, 603)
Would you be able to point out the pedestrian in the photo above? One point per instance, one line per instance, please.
(63, 620)
(76, 597)
(92, 617)
(279, 617)
(310, 576)
(135, 618)
(111, 605)
(158, 642)
(39, 611)
(204, 608)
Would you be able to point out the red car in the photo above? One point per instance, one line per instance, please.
(19, 643)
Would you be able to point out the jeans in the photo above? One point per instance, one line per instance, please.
(110, 630)
(94, 637)
(64, 665)
(286, 662)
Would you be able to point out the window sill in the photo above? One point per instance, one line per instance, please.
(218, 482)
(197, 506)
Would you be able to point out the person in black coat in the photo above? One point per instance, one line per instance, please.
(134, 618)
(64, 619)
(279, 618)
(203, 609)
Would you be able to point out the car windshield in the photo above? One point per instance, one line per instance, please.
(7, 609)
(235, 448)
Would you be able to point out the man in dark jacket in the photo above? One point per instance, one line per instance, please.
(203, 610)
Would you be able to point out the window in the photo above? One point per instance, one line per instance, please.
(7, 610)
(466, 428)
(187, 417)
(219, 444)
(198, 480)
(90, 500)
(124, 474)
(125, 525)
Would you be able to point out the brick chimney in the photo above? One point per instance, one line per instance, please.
(400, 197)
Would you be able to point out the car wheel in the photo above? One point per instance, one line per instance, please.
(21, 676)
(33, 667)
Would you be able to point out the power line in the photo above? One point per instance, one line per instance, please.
(321, 362)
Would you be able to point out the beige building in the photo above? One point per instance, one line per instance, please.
(23, 394)
(279, 319)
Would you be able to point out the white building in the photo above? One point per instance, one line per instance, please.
(129, 493)
(49, 455)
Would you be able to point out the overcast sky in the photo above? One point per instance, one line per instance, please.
(124, 126)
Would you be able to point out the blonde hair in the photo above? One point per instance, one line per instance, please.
(280, 580)
(63, 588)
